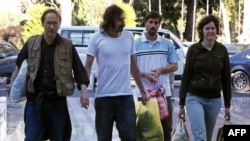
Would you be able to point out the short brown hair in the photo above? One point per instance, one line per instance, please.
(50, 11)
(153, 15)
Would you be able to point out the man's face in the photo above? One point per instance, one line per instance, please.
(152, 26)
(51, 25)
(119, 23)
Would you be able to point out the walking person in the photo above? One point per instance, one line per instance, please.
(51, 60)
(113, 48)
(206, 73)
(157, 58)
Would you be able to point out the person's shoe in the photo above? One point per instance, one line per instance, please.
(172, 99)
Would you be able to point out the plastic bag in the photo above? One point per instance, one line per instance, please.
(180, 133)
(148, 123)
(158, 92)
(220, 135)
(18, 89)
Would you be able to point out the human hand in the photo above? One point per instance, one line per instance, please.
(84, 100)
(8, 87)
(227, 114)
(156, 72)
(152, 77)
(144, 98)
(181, 114)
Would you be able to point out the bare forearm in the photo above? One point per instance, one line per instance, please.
(167, 69)
(88, 64)
(137, 77)
(84, 98)
(84, 89)
(14, 75)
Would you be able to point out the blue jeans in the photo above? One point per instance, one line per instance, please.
(55, 122)
(202, 113)
(119, 109)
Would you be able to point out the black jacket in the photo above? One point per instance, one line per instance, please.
(206, 73)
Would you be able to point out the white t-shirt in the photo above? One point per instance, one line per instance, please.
(113, 57)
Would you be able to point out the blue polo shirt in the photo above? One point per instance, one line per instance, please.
(150, 56)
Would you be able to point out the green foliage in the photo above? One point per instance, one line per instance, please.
(78, 13)
(171, 13)
(90, 13)
(93, 12)
(10, 17)
(170, 10)
(33, 25)
(141, 9)
(129, 13)
(233, 5)
(3, 15)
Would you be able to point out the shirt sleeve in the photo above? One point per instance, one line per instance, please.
(133, 49)
(92, 46)
(186, 76)
(80, 73)
(173, 57)
(23, 54)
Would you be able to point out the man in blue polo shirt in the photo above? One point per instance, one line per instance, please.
(157, 58)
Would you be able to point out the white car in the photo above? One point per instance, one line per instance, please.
(186, 46)
(80, 36)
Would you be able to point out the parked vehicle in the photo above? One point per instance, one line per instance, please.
(8, 56)
(234, 48)
(80, 36)
(240, 69)
(186, 46)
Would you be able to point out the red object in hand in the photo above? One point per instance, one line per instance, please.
(157, 91)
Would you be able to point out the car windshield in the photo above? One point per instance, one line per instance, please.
(79, 38)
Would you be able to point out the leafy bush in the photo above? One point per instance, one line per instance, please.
(33, 26)
(13, 35)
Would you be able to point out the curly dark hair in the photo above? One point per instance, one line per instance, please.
(109, 16)
(204, 21)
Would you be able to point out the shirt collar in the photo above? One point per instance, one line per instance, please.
(144, 39)
(54, 43)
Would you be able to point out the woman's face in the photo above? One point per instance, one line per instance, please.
(209, 31)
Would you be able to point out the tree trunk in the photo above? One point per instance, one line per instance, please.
(187, 35)
(246, 22)
(66, 12)
(226, 24)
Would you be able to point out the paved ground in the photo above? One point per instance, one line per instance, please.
(83, 120)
